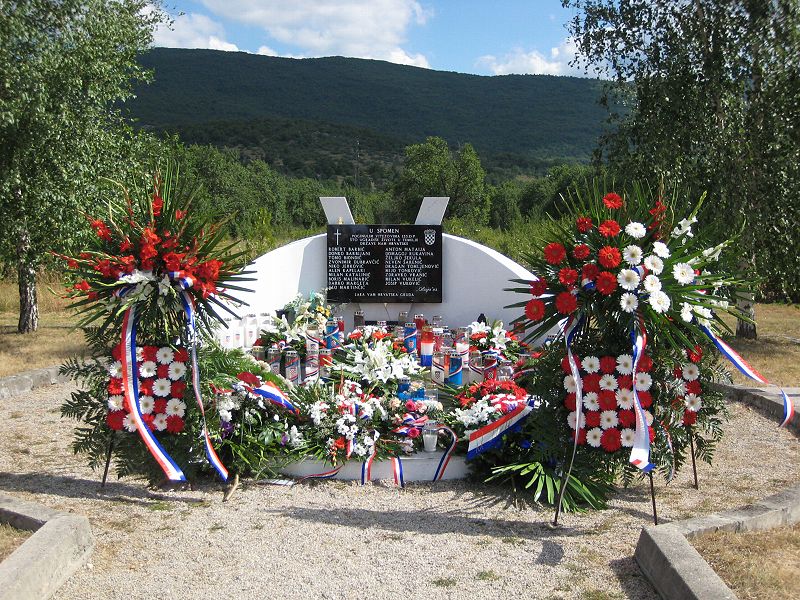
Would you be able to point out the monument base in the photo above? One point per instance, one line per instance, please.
(420, 466)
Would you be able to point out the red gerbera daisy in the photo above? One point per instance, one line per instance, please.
(689, 417)
(174, 424)
(114, 419)
(534, 309)
(606, 283)
(611, 440)
(538, 287)
(612, 200)
(569, 401)
(160, 405)
(554, 253)
(581, 436)
(149, 353)
(590, 271)
(181, 355)
(609, 228)
(592, 419)
(566, 303)
(625, 382)
(178, 387)
(627, 418)
(609, 257)
(645, 399)
(581, 251)
(584, 224)
(567, 276)
(607, 400)
(591, 382)
(645, 364)
(565, 364)
(608, 364)
(693, 387)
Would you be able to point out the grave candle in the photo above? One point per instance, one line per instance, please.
(454, 368)
(358, 318)
(313, 342)
(430, 436)
(489, 365)
(426, 346)
(332, 334)
(292, 366)
(505, 371)
(402, 317)
(462, 345)
(410, 338)
(325, 362)
(475, 366)
(274, 359)
(438, 366)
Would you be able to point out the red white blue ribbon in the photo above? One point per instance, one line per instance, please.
(571, 330)
(747, 370)
(491, 435)
(275, 395)
(445, 460)
(397, 471)
(366, 467)
(640, 453)
(324, 475)
(130, 381)
(213, 458)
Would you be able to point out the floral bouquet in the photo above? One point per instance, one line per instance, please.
(480, 404)
(494, 337)
(294, 320)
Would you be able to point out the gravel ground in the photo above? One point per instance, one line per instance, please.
(339, 540)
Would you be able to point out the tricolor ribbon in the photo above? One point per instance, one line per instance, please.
(130, 381)
(491, 435)
(409, 423)
(215, 461)
(445, 460)
(366, 466)
(397, 471)
(571, 330)
(640, 453)
(749, 371)
(275, 395)
(324, 475)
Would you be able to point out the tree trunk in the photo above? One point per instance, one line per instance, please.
(745, 302)
(26, 275)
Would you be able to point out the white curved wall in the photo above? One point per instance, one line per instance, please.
(473, 280)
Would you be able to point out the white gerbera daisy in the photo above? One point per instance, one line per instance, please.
(608, 382)
(643, 382)
(115, 402)
(177, 370)
(632, 255)
(627, 436)
(160, 422)
(571, 418)
(690, 372)
(139, 353)
(176, 407)
(569, 384)
(146, 404)
(686, 312)
(648, 416)
(128, 423)
(629, 302)
(593, 437)
(659, 301)
(693, 402)
(624, 398)
(654, 264)
(661, 249)
(683, 273)
(162, 387)
(590, 401)
(147, 369)
(165, 355)
(628, 279)
(608, 419)
(636, 230)
(625, 364)
(652, 284)
(591, 364)
(115, 369)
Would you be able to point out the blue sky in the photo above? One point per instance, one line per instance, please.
(469, 36)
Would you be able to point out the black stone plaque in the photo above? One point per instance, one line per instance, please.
(385, 263)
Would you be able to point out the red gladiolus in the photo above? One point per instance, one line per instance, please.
(158, 204)
(609, 228)
(174, 424)
(538, 287)
(566, 303)
(114, 419)
(611, 441)
(612, 200)
(534, 310)
(584, 224)
(179, 214)
(81, 286)
(101, 229)
(608, 364)
(340, 443)
(125, 245)
(581, 251)
(72, 264)
(609, 257)
(209, 270)
(554, 253)
(249, 379)
(590, 271)
(606, 283)
(567, 276)
(173, 261)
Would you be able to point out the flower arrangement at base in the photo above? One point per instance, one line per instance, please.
(484, 337)
(147, 287)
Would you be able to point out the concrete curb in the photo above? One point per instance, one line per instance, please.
(28, 380)
(766, 399)
(61, 543)
(670, 562)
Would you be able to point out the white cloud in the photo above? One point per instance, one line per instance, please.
(193, 31)
(266, 51)
(534, 62)
(363, 29)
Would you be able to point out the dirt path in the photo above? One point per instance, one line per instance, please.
(339, 540)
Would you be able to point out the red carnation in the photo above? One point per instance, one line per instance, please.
(627, 418)
(584, 224)
(570, 401)
(609, 228)
(114, 386)
(534, 310)
(163, 371)
(538, 287)
(554, 253)
(174, 424)
(612, 200)
(645, 399)
(149, 353)
(689, 417)
(611, 441)
(590, 271)
(609, 257)
(160, 404)
(114, 419)
(607, 400)
(566, 303)
(567, 276)
(606, 283)
(645, 364)
(581, 252)
(181, 355)
(625, 382)
(608, 364)
(695, 355)
(591, 382)
(693, 387)
(593, 419)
